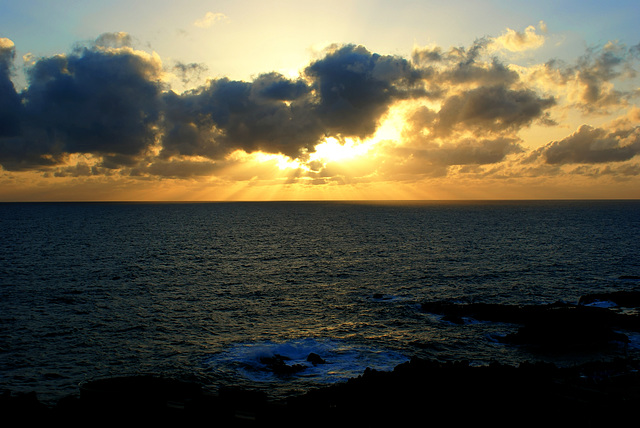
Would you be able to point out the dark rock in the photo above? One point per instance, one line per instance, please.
(629, 299)
(276, 359)
(568, 328)
(315, 359)
(24, 407)
(277, 364)
(144, 391)
(380, 296)
(559, 326)
(419, 392)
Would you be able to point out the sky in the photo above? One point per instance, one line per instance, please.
(144, 100)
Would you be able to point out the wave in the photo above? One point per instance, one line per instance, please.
(323, 361)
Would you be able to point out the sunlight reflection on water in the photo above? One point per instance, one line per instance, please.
(110, 289)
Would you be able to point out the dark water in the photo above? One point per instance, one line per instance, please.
(204, 290)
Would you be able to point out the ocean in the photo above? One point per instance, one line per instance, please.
(207, 291)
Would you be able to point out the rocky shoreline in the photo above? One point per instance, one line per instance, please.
(428, 392)
(419, 391)
(559, 326)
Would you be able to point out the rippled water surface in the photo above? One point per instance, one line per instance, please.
(206, 290)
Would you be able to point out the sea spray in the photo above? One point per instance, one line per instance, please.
(341, 360)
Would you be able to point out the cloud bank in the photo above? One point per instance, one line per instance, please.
(105, 108)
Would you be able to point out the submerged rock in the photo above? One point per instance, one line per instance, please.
(380, 296)
(315, 359)
(277, 364)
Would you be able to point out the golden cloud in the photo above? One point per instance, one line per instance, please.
(516, 41)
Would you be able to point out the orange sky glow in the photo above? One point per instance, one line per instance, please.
(509, 115)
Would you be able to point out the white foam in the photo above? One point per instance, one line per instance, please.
(343, 360)
(602, 304)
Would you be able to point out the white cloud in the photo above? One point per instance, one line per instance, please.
(209, 19)
(516, 41)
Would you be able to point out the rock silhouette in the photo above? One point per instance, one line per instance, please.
(558, 326)
(422, 392)
(278, 365)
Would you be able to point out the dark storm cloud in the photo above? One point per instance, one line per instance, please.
(460, 66)
(345, 95)
(104, 102)
(107, 100)
(9, 98)
(274, 86)
(81, 169)
(7, 55)
(355, 88)
(490, 109)
(478, 96)
(464, 152)
(593, 145)
(95, 102)
(496, 74)
(431, 159)
(20, 146)
(475, 152)
(177, 169)
(427, 56)
(188, 73)
(268, 114)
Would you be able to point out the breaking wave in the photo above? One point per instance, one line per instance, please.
(334, 361)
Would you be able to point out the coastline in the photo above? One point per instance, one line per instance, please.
(594, 393)
(430, 392)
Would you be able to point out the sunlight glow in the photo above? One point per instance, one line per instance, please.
(282, 162)
(332, 151)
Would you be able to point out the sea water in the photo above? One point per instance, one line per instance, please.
(206, 291)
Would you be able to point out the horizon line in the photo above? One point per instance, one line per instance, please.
(125, 201)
